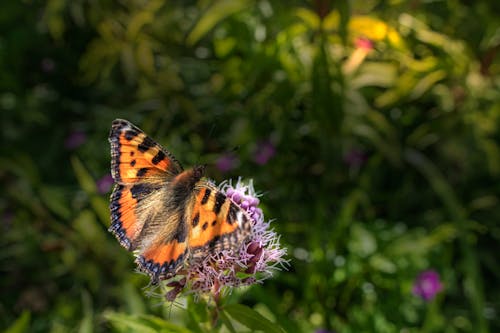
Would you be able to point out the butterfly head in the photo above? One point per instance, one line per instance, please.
(199, 171)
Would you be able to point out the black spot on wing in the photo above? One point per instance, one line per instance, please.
(219, 201)
(141, 172)
(160, 156)
(132, 164)
(196, 219)
(204, 200)
(232, 214)
(139, 191)
(181, 234)
(204, 226)
(213, 241)
(146, 144)
(130, 134)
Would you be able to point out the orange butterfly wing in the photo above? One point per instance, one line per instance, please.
(211, 223)
(139, 166)
(136, 157)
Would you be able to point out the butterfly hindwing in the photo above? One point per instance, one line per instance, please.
(135, 156)
(211, 223)
(162, 260)
(126, 222)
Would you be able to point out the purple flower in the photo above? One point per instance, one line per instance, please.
(227, 162)
(75, 139)
(355, 158)
(104, 184)
(427, 285)
(254, 261)
(264, 152)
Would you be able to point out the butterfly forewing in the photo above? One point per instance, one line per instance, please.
(140, 166)
(135, 156)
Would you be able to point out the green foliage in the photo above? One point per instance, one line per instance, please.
(385, 117)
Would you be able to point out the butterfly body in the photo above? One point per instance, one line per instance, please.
(167, 215)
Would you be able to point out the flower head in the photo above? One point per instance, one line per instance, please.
(427, 285)
(252, 262)
(264, 152)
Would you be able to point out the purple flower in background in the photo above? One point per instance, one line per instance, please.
(355, 158)
(254, 261)
(322, 330)
(104, 184)
(75, 139)
(264, 152)
(227, 162)
(427, 285)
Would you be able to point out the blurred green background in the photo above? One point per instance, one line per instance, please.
(371, 128)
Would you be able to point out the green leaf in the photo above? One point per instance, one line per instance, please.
(54, 199)
(86, 324)
(84, 178)
(251, 318)
(88, 184)
(89, 230)
(145, 324)
(375, 74)
(438, 182)
(426, 83)
(227, 322)
(213, 15)
(362, 242)
(21, 324)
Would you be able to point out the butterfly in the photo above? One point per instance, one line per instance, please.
(169, 217)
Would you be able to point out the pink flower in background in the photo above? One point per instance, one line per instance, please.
(363, 46)
(364, 43)
(75, 139)
(264, 152)
(427, 285)
(253, 262)
(227, 162)
(104, 184)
